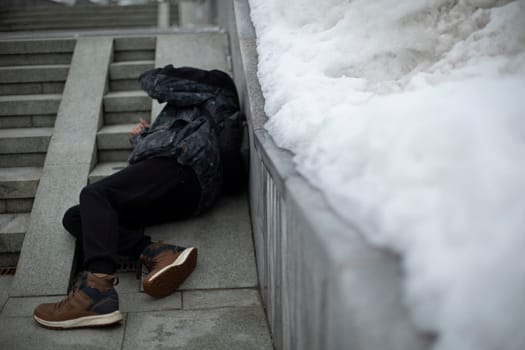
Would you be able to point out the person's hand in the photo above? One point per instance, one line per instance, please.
(138, 128)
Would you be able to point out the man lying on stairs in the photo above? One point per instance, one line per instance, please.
(176, 170)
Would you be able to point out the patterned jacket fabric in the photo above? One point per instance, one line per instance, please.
(189, 129)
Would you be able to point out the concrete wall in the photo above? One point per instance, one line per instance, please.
(322, 285)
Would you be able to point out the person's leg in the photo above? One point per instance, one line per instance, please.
(92, 301)
(149, 192)
(131, 241)
(72, 222)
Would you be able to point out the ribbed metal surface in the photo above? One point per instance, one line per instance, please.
(275, 227)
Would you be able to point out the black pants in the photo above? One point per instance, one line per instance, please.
(113, 212)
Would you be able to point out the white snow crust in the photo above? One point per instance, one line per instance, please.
(410, 117)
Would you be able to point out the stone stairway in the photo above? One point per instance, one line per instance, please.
(125, 103)
(57, 16)
(32, 78)
(67, 124)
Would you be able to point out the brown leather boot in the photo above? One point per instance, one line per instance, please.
(168, 266)
(92, 303)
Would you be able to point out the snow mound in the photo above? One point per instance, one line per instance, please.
(410, 117)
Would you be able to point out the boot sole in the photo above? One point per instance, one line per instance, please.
(168, 279)
(81, 322)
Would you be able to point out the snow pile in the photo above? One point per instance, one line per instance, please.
(410, 117)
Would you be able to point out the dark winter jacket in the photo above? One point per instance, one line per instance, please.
(199, 126)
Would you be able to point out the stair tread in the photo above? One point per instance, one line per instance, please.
(25, 132)
(25, 98)
(18, 174)
(131, 63)
(31, 67)
(121, 94)
(37, 46)
(14, 223)
(115, 129)
(33, 73)
(114, 137)
(129, 69)
(127, 101)
(107, 168)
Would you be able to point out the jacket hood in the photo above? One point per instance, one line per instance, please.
(187, 86)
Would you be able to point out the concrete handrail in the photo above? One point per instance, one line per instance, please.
(323, 285)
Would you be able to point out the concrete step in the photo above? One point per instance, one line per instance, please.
(32, 88)
(75, 10)
(114, 118)
(127, 101)
(19, 182)
(37, 58)
(33, 79)
(36, 52)
(24, 140)
(13, 227)
(134, 43)
(114, 137)
(136, 55)
(74, 19)
(47, 16)
(22, 160)
(31, 74)
(128, 70)
(78, 25)
(134, 49)
(27, 121)
(9, 259)
(113, 143)
(124, 85)
(124, 75)
(102, 170)
(16, 205)
(12, 105)
(108, 156)
(16, 47)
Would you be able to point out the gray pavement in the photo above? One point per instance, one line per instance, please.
(217, 307)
